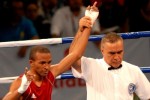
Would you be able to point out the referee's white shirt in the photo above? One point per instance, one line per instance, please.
(104, 84)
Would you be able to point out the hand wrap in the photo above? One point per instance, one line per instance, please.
(24, 84)
(92, 14)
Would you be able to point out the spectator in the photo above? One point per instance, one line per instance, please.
(16, 26)
(31, 11)
(65, 20)
(114, 15)
(47, 8)
(139, 15)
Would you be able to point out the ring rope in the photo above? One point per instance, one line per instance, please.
(68, 75)
(129, 35)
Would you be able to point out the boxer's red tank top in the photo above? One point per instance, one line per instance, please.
(40, 93)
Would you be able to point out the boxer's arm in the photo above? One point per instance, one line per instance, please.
(91, 12)
(77, 50)
(19, 86)
(77, 46)
(13, 93)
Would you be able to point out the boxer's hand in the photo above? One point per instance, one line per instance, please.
(85, 22)
(26, 80)
(92, 12)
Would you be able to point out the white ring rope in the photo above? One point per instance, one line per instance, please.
(11, 79)
(31, 42)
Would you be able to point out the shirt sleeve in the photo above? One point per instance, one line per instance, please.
(86, 69)
(143, 86)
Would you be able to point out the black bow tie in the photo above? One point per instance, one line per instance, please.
(113, 68)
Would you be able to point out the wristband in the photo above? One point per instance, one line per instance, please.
(24, 85)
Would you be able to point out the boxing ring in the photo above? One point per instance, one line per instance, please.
(68, 40)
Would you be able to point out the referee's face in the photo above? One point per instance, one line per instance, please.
(113, 53)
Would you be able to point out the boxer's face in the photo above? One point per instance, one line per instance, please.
(113, 53)
(41, 64)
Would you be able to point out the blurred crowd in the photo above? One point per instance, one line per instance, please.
(41, 19)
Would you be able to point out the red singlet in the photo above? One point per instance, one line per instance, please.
(40, 93)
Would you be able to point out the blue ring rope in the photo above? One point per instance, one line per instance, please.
(128, 35)
(70, 75)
